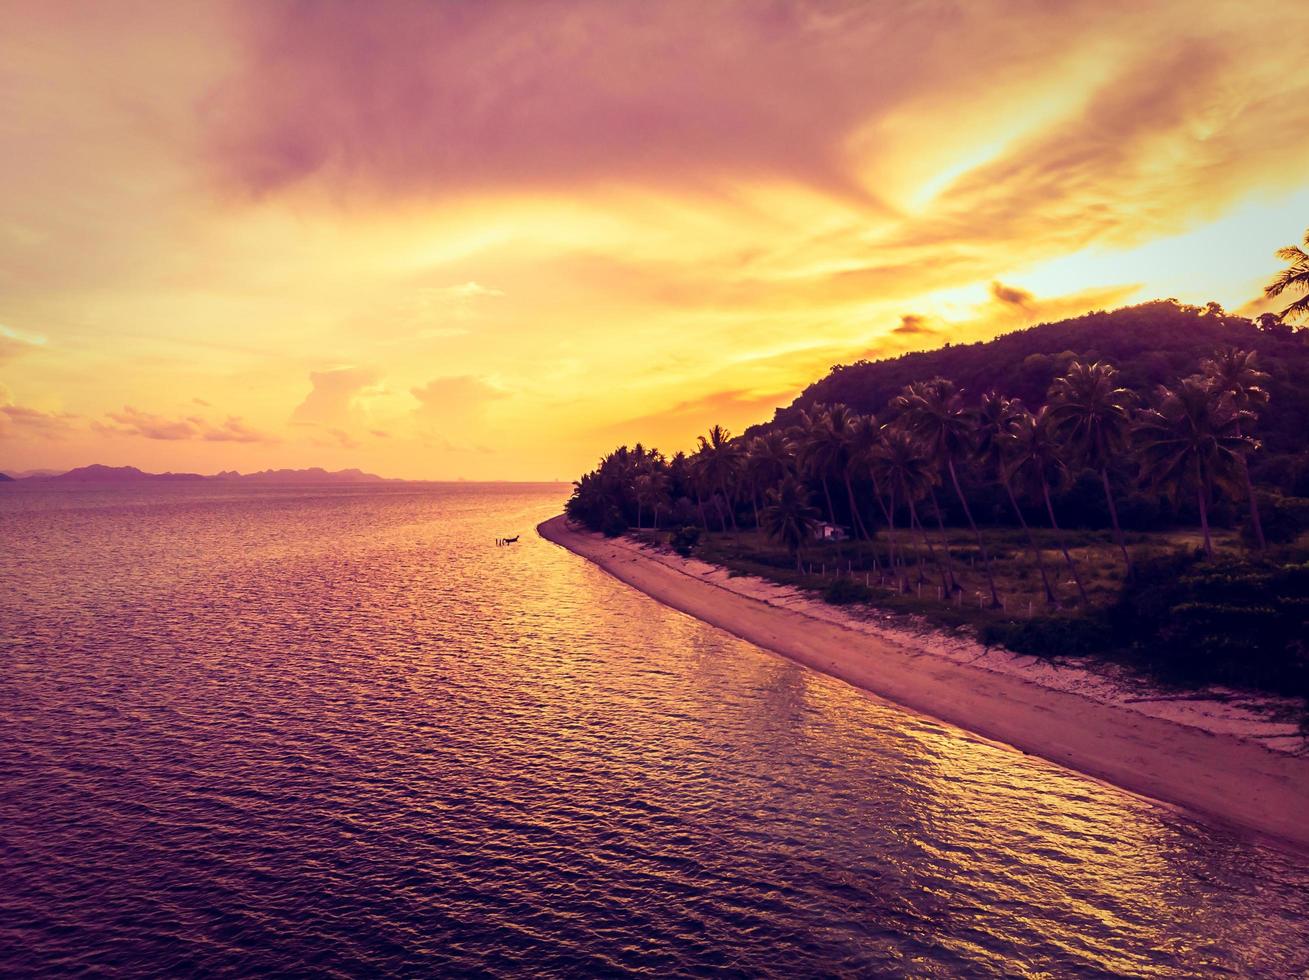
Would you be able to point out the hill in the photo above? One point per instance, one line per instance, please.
(1151, 344)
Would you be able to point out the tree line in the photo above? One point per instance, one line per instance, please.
(886, 477)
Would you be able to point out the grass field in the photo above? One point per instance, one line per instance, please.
(914, 584)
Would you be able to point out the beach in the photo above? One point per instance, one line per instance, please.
(1226, 758)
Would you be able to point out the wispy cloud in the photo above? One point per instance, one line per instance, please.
(147, 425)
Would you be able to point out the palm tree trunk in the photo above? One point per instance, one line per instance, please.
(827, 493)
(754, 503)
(931, 552)
(699, 501)
(945, 545)
(860, 530)
(1063, 546)
(877, 493)
(722, 518)
(638, 515)
(1200, 495)
(1255, 522)
(890, 531)
(1031, 543)
(1113, 516)
(968, 513)
(731, 508)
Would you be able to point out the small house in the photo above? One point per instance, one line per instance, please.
(829, 532)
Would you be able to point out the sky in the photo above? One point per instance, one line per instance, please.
(492, 240)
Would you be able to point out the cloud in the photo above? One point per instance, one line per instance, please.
(469, 290)
(14, 344)
(1012, 296)
(332, 395)
(736, 408)
(443, 98)
(457, 396)
(19, 420)
(912, 323)
(133, 422)
(234, 430)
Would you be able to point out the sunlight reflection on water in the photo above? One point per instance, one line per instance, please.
(339, 731)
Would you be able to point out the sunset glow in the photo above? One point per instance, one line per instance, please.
(492, 240)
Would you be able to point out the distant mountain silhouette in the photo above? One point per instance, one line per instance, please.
(6, 479)
(102, 475)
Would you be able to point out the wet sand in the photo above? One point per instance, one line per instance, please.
(1220, 759)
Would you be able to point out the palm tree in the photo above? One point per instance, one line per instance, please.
(841, 424)
(721, 465)
(651, 489)
(789, 517)
(1034, 461)
(1093, 414)
(767, 460)
(1193, 437)
(820, 450)
(996, 420)
(1294, 277)
(934, 411)
(905, 468)
(866, 437)
(1237, 373)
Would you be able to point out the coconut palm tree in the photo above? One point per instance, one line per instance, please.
(1192, 438)
(1034, 461)
(997, 417)
(1093, 415)
(1294, 277)
(841, 425)
(905, 469)
(721, 465)
(768, 459)
(820, 450)
(866, 437)
(1237, 373)
(934, 411)
(788, 516)
(651, 490)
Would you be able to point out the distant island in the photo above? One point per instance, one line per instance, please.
(100, 475)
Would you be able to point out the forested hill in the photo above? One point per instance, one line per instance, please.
(1151, 344)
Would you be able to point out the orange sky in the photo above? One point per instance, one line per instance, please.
(492, 240)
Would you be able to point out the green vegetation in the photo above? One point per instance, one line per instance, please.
(1135, 512)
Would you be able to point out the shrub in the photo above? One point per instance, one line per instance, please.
(1283, 518)
(844, 592)
(1051, 636)
(1241, 621)
(685, 539)
(613, 524)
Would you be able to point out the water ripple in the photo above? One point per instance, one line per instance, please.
(338, 732)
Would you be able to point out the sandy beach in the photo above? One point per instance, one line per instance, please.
(1230, 759)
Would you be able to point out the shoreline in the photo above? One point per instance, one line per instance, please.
(1222, 763)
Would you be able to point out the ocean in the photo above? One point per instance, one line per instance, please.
(338, 731)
